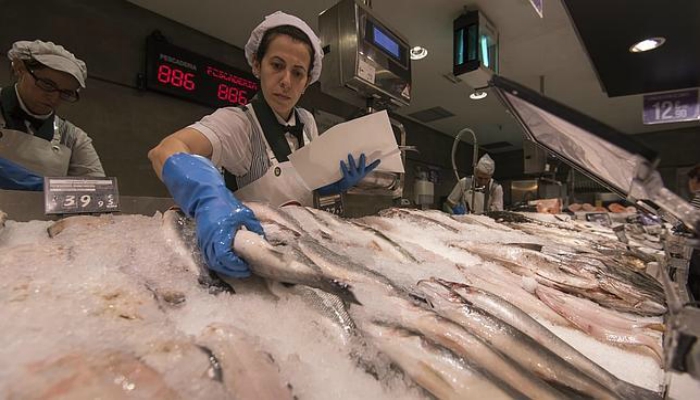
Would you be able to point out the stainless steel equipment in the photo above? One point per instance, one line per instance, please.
(367, 63)
(365, 58)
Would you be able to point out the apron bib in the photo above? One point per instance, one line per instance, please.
(43, 157)
(481, 199)
(281, 185)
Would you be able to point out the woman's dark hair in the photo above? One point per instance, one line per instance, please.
(291, 31)
(694, 173)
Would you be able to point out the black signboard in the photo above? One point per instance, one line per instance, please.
(179, 72)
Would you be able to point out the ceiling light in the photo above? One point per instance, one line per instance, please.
(418, 52)
(647, 44)
(477, 95)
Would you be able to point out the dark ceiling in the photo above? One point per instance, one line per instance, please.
(608, 28)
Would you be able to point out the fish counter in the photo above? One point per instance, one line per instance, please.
(404, 304)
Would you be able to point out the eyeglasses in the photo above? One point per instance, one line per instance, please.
(46, 85)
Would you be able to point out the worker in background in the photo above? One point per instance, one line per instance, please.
(488, 195)
(34, 141)
(251, 143)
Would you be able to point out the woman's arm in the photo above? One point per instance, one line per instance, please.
(187, 140)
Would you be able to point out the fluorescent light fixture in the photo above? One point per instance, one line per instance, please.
(477, 95)
(418, 53)
(647, 44)
(485, 50)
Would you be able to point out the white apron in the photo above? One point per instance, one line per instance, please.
(43, 157)
(479, 200)
(280, 186)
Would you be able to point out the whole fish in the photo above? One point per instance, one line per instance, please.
(265, 213)
(587, 317)
(508, 286)
(435, 369)
(268, 262)
(520, 347)
(247, 371)
(363, 235)
(512, 315)
(417, 218)
(398, 310)
(544, 268)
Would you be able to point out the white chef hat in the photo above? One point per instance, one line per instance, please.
(280, 18)
(486, 165)
(51, 55)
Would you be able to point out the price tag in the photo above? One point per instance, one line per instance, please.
(601, 218)
(671, 107)
(73, 195)
(332, 204)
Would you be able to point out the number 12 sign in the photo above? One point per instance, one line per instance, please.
(671, 107)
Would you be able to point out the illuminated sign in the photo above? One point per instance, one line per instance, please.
(179, 72)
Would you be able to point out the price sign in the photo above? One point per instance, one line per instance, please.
(178, 72)
(671, 107)
(601, 218)
(73, 195)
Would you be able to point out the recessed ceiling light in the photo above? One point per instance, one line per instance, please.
(647, 44)
(418, 52)
(478, 95)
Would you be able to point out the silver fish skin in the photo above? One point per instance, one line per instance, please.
(364, 235)
(398, 310)
(500, 335)
(267, 262)
(311, 224)
(265, 213)
(416, 217)
(387, 244)
(586, 316)
(508, 286)
(342, 268)
(248, 372)
(545, 269)
(512, 315)
(435, 369)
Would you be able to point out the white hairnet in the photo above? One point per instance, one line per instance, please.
(486, 165)
(51, 55)
(280, 18)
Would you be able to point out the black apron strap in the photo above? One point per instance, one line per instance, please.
(274, 134)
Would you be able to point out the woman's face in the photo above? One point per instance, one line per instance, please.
(694, 185)
(41, 101)
(284, 73)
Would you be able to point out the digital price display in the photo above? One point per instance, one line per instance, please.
(74, 195)
(178, 72)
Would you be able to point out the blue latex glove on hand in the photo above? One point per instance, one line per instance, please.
(459, 209)
(15, 177)
(199, 189)
(352, 174)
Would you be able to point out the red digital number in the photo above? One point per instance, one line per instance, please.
(231, 94)
(175, 77)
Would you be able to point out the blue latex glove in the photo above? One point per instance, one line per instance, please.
(199, 189)
(459, 209)
(352, 174)
(15, 177)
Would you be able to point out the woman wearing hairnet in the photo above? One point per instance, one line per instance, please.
(251, 143)
(488, 195)
(34, 141)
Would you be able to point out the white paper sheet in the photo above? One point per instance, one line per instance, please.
(318, 163)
